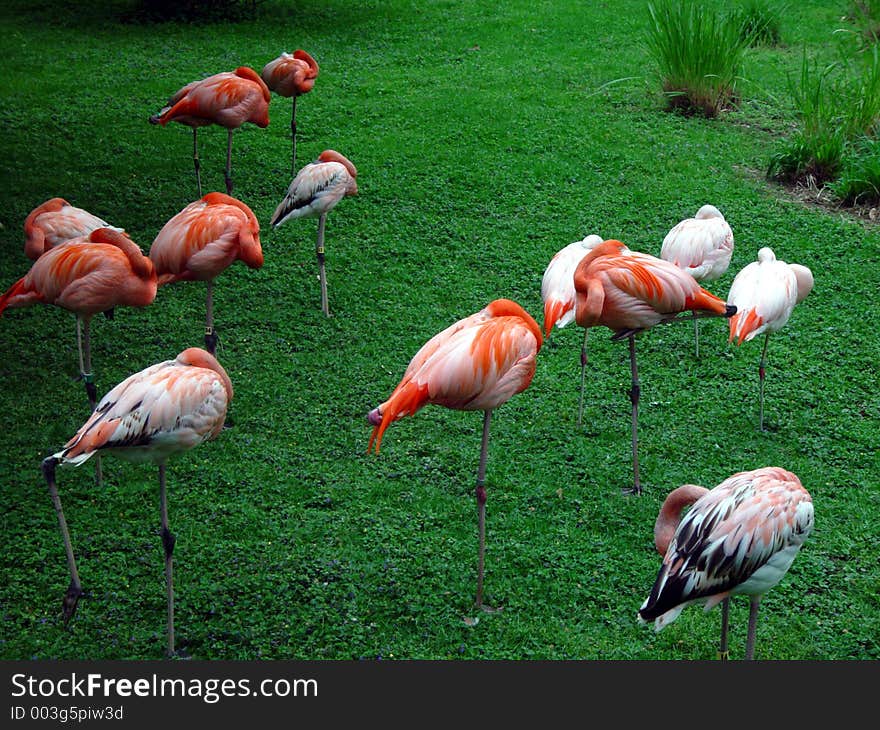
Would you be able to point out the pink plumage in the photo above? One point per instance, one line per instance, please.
(557, 284)
(291, 74)
(701, 246)
(55, 222)
(317, 188)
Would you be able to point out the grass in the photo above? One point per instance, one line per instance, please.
(699, 52)
(859, 181)
(482, 147)
(760, 22)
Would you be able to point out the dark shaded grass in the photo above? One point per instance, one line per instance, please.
(482, 149)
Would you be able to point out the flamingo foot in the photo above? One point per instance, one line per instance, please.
(71, 598)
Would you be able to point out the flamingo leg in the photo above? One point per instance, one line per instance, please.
(168, 540)
(319, 250)
(210, 332)
(583, 376)
(753, 624)
(74, 590)
(634, 399)
(196, 163)
(84, 341)
(761, 377)
(293, 138)
(229, 164)
(723, 652)
(696, 336)
(481, 508)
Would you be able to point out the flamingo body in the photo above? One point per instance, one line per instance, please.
(86, 275)
(739, 538)
(228, 99)
(205, 238)
(557, 284)
(55, 222)
(701, 245)
(317, 188)
(765, 293)
(628, 291)
(291, 74)
(161, 411)
(477, 363)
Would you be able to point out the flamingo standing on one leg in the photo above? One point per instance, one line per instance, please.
(628, 292)
(201, 241)
(291, 76)
(87, 275)
(702, 246)
(229, 99)
(740, 537)
(153, 415)
(475, 364)
(315, 191)
(764, 294)
(55, 222)
(558, 295)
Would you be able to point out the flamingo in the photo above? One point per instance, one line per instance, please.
(292, 76)
(558, 295)
(702, 246)
(629, 292)
(86, 275)
(229, 99)
(314, 192)
(153, 415)
(740, 537)
(54, 222)
(765, 293)
(201, 241)
(475, 364)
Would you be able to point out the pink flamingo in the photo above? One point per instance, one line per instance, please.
(55, 222)
(630, 292)
(228, 99)
(475, 364)
(153, 415)
(291, 76)
(202, 241)
(702, 246)
(314, 192)
(739, 538)
(765, 293)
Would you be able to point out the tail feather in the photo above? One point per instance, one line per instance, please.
(553, 310)
(16, 289)
(404, 401)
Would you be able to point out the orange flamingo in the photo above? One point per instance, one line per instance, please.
(291, 76)
(475, 364)
(702, 246)
(87, 275)
(153, 415)
(740, 537)
(629, 292)
(558, 295)
(314, 192)
(228, 99)
(201, 241)
(765, 293)
(54, 222)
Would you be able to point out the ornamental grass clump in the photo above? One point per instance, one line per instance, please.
(699, 53)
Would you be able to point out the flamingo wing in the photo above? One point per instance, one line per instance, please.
(557, 284)
(700, 246)
(764, 293)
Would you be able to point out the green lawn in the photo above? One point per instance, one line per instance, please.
(487, 136)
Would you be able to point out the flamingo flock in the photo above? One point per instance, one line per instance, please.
(739, 538)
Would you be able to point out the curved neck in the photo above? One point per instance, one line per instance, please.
(670, 513)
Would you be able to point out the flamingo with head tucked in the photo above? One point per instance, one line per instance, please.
(476, 364)
(55, 222)
(314, 192)
(202, 241)
(765, 293)
(702, 246)
(291, 75)
(629, 292)
(228, 99)
(739, 538)
(86, 275)
(153, 415)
